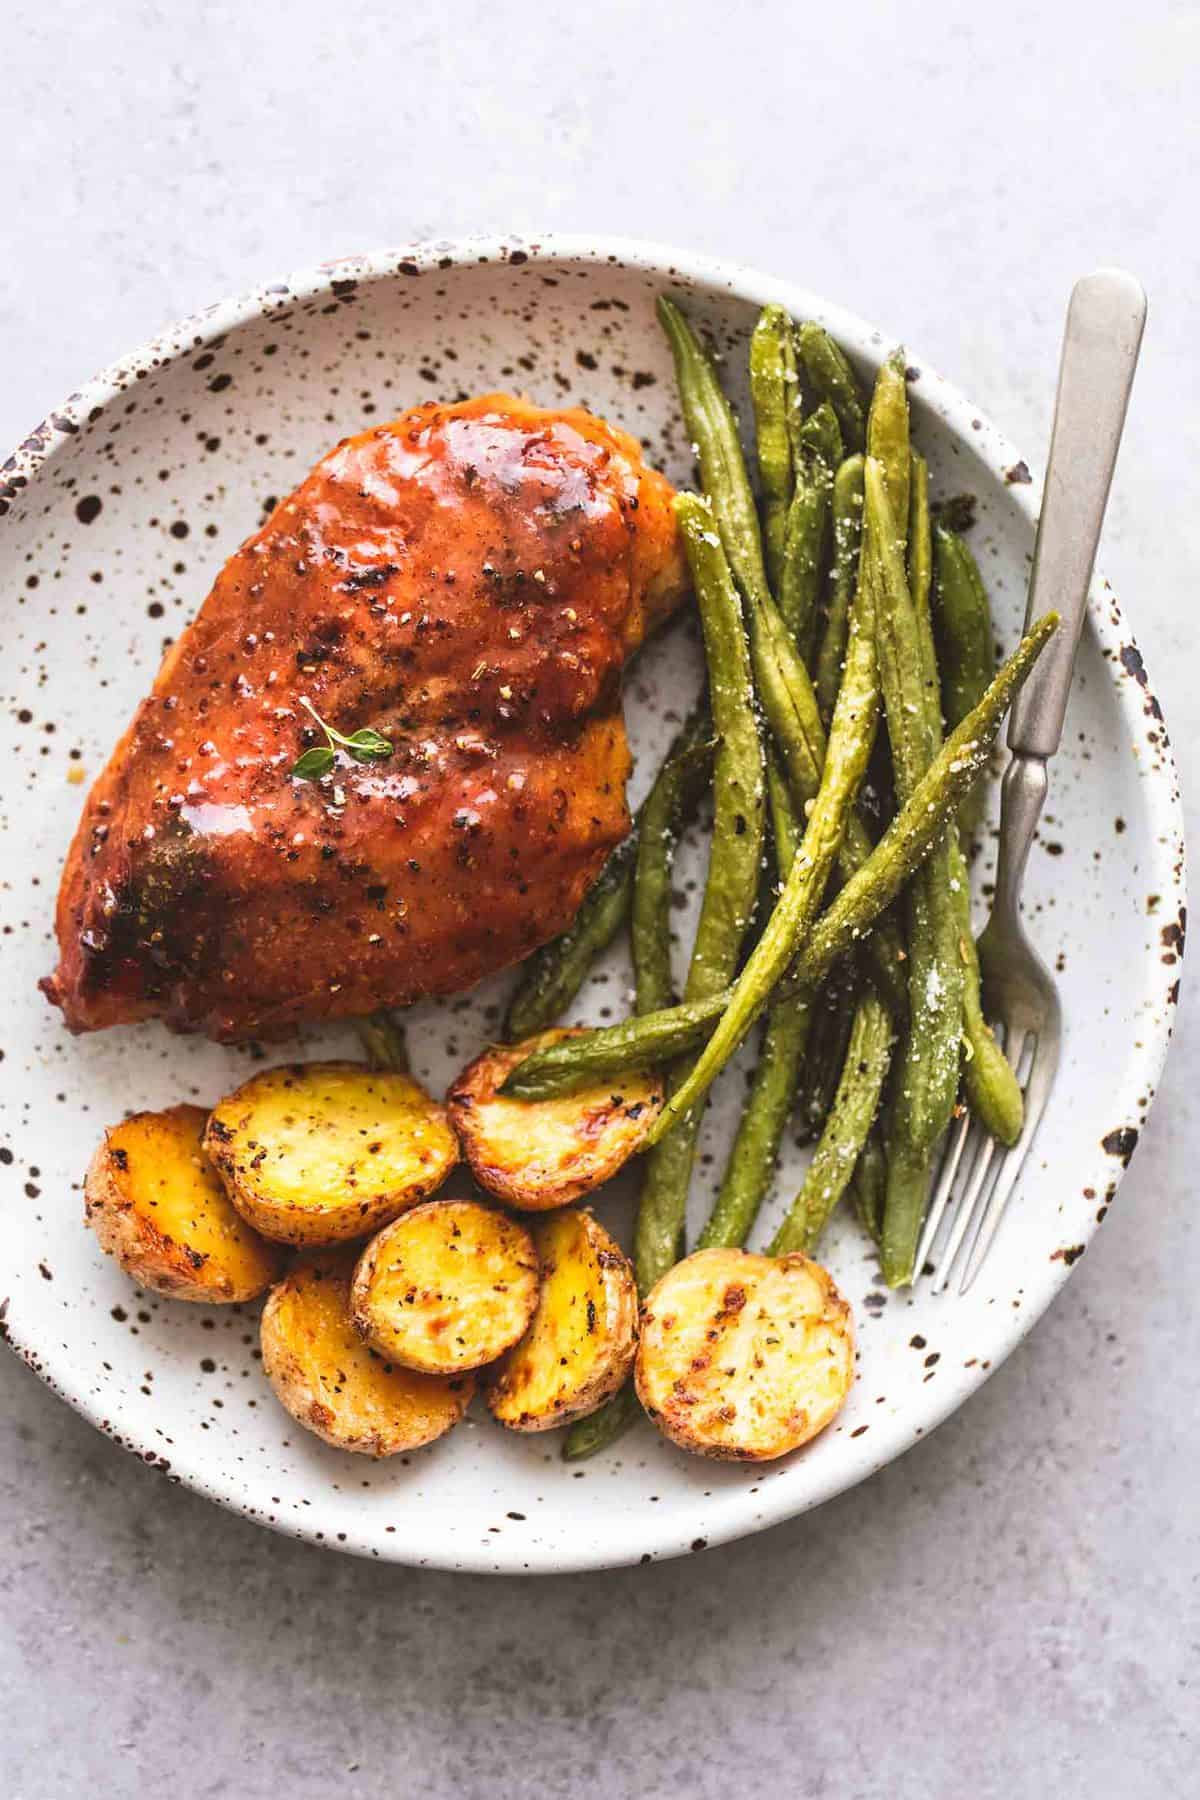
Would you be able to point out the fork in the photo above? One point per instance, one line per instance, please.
(1103, 335)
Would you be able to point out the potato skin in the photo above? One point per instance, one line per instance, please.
(157, 1206)
(580, 1345)
(539, 1154)
(744, 1357)
(449, 1285)
(332, 1383)
(327, 1152)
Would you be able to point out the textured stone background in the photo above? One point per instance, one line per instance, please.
(1010, 1611)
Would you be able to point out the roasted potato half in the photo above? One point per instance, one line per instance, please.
(580, 1346)
(156, 1204)
(322, 1152)
(450, 1285)
(744, 1357)
(337, 1386)
(538, 1154)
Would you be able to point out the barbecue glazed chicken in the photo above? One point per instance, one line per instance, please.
(466, 581)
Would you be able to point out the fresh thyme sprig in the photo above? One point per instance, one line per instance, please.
(365, 746)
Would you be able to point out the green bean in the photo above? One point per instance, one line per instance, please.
(733, 865)
(868, 1184)
(553, 975)
(818, 435)
(920, 586)
(600, 1429)
(657, 1039)
(382, 1037)
(781, 679)
(900, 656)
(906, 843)
(963, 624)
(992, 1089)
(772, 389)
(850, 740)
(652, 1042)
(790, 705)
(817, 452)
(829, 1035)
(887, 438)
(850, 1119)
(684, 772)
(846, 531)
(920, 578)
(738, 773)
(712, 428)
(834, 380)
(964, 631)
(764, 1117)
(927, 1075)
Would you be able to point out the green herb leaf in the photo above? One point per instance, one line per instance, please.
(313, 764)
(367, 746)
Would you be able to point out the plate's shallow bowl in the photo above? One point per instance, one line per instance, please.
(120, 510)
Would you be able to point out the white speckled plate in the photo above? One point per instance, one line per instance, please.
(120, 510)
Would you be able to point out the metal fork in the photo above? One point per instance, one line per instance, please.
(1101, 341)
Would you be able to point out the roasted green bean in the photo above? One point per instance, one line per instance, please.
(927, 1072)
(868, 1184)
(733, 866)
(781, 678)
(888, 440)
(760, 1130)
(829, 1034)
(602, 1428)
(992, 1089)
(790, 705)
(850, 1119)
(684, 773)
(832, 378)
(817, 452)
(851, 736)
(382, 1037)
(657, 1039)
(818, 435)
(773, 386)
(712, 428)
(846, 532)
(963, 623)
(553, 975)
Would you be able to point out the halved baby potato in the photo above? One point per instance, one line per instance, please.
(450, 1285)
(579, 1348)
(332, 1383)
(538, 1154)
(322, 1152)
(744, 1357)
(156, 1204)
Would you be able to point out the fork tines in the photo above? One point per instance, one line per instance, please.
(978, 1176)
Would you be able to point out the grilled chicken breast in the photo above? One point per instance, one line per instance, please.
(468, 581)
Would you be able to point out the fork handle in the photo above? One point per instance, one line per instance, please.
(1103, 335)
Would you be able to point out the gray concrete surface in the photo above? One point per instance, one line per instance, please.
(1011, 1610)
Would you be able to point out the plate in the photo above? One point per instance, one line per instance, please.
(119, 511)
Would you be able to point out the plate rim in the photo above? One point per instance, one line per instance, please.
(1132, 1090)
